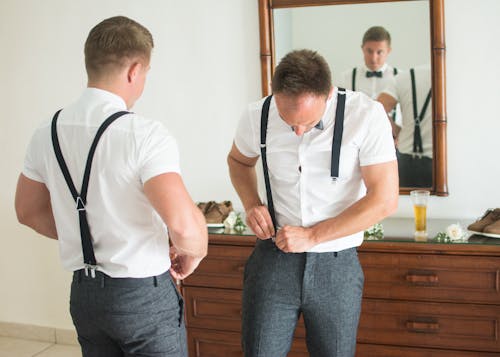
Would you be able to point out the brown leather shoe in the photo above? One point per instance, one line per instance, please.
(490, 216)
(216, 212)
(493, 228)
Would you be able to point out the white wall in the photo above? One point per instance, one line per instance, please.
(336, 32)
(205, 69)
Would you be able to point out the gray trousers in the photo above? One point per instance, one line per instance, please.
(117, 317)
(326, 288)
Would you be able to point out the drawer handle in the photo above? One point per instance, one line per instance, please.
(422, 326)
(422, 279)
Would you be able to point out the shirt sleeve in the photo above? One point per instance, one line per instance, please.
(159, 153)
(245, 138)
(32, 159)
(378, 144)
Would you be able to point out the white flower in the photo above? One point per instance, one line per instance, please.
(230, 220)
(455, 232)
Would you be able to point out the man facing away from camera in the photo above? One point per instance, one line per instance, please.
(330, 172)
(106, 184)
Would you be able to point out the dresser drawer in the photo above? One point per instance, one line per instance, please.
(435, 325)
(218, 309)
(454, 278)
(365, 350)
(222, 268)
(210, 343)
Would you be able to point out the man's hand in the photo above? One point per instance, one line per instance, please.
(182, 265)
(260, 221)
(292, 239)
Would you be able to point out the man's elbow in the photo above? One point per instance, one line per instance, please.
(189, 240)
(23, 216)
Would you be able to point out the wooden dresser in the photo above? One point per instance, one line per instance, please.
(420, 299)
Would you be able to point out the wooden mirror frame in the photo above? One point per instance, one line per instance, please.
(438, 51)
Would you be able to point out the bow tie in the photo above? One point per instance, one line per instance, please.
(370, 74)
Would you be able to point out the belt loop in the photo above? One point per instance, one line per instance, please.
(155, 281)
(79, 276)
(335, 254)
(102, 280)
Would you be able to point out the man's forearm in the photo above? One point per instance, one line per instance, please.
(43, 223)
(191, 239)
(380, 201)
(244, 180)
(358, 217)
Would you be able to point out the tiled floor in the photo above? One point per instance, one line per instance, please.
(14, 347)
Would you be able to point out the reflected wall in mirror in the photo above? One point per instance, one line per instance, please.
(336, 33)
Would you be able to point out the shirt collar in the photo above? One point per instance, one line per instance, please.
(101, 94)
(381, 69)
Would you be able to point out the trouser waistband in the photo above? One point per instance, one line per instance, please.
(103, 279)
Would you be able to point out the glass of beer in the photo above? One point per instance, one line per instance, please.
(419, 199)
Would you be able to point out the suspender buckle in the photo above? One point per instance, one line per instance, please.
(334, 179)
(417, 121)
(79, 204)
(263, 146)
(91, 268)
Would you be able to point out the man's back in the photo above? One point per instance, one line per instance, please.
(125, 228)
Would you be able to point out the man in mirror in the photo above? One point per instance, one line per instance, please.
(330, 172)
(412, 90)
(376, 73)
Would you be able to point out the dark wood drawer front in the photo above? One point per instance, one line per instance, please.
(213, 308)
(436, 325)
(365, 350)
(222, 268)
(467, 279)
(209, 343)
(218, 309)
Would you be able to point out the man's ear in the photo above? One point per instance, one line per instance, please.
(133, 71)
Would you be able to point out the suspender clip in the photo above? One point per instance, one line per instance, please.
(92, 269)
(264, 145)
(334, 179)
(79, 204)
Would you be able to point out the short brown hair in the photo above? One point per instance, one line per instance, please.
(377, 34)
(113, 42)
(302, 72)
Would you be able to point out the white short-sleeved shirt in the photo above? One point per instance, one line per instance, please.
(372, 86)
(306, 196)
(129, 237)
(402, 92)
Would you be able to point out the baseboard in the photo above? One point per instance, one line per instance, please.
(38, 333)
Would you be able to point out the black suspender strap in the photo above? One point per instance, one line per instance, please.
(417, 134)
(81, 198)
(336, 144)
(263, 134)
(353, 80)
(338, 130)
(395, 71)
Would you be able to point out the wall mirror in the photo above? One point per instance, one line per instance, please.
(335, 27)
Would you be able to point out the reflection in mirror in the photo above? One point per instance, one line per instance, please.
(403, 42)
(417, 41)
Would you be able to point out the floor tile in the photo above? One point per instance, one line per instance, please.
(61, 351)
(14, 347)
